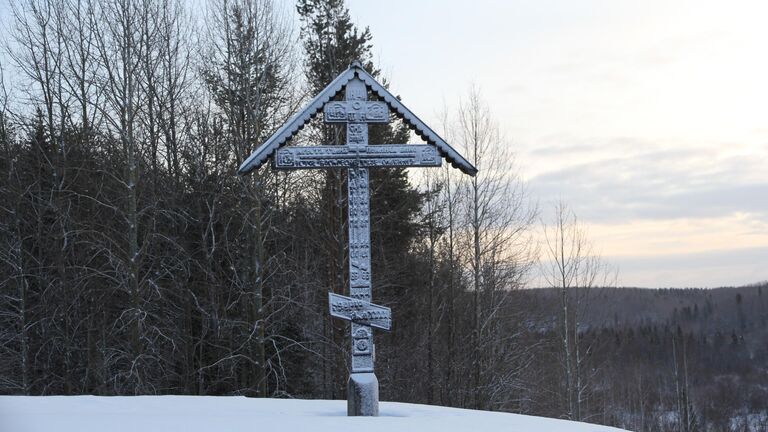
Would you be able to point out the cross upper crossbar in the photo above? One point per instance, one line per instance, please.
(385, 155)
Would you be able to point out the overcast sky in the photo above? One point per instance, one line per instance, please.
(650, 118)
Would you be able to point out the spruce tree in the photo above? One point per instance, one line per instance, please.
(331, 42)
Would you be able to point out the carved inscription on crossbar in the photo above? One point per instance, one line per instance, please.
(389, 155)
(358, 111)
(360, 312)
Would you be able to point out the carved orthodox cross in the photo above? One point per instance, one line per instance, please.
(357, 156)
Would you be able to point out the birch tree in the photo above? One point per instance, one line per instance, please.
(572, 266)
(497, 239)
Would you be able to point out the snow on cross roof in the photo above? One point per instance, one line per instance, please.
(300, 119)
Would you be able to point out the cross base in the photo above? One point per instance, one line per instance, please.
(363, 395)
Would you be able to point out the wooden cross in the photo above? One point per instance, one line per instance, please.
(357, 156)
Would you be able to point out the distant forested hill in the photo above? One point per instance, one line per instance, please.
(651, 355)
(708, 310)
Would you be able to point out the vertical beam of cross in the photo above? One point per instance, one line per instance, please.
(359, 233)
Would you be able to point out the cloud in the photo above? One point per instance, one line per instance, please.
(703, 252)
(630, 179)
(701, 270)
(679, 236)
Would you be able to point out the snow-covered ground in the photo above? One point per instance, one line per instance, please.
(234, 414)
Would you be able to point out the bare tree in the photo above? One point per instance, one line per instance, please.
(572, 266)
(80, 63)
(249, 72)
(432, 212)
(686, 416)
(497, 239)
(15, 319)
(121, 45)
(40, 35)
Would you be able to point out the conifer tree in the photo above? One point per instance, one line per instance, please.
(331, 42)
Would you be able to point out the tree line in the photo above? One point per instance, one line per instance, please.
(672, 359)
(136, 262)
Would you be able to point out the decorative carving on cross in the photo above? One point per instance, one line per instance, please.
(356, 111)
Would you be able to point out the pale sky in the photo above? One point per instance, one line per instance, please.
(650, 118)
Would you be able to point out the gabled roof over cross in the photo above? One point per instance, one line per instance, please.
(265, 151)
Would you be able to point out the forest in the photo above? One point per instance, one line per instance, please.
(134, 260)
